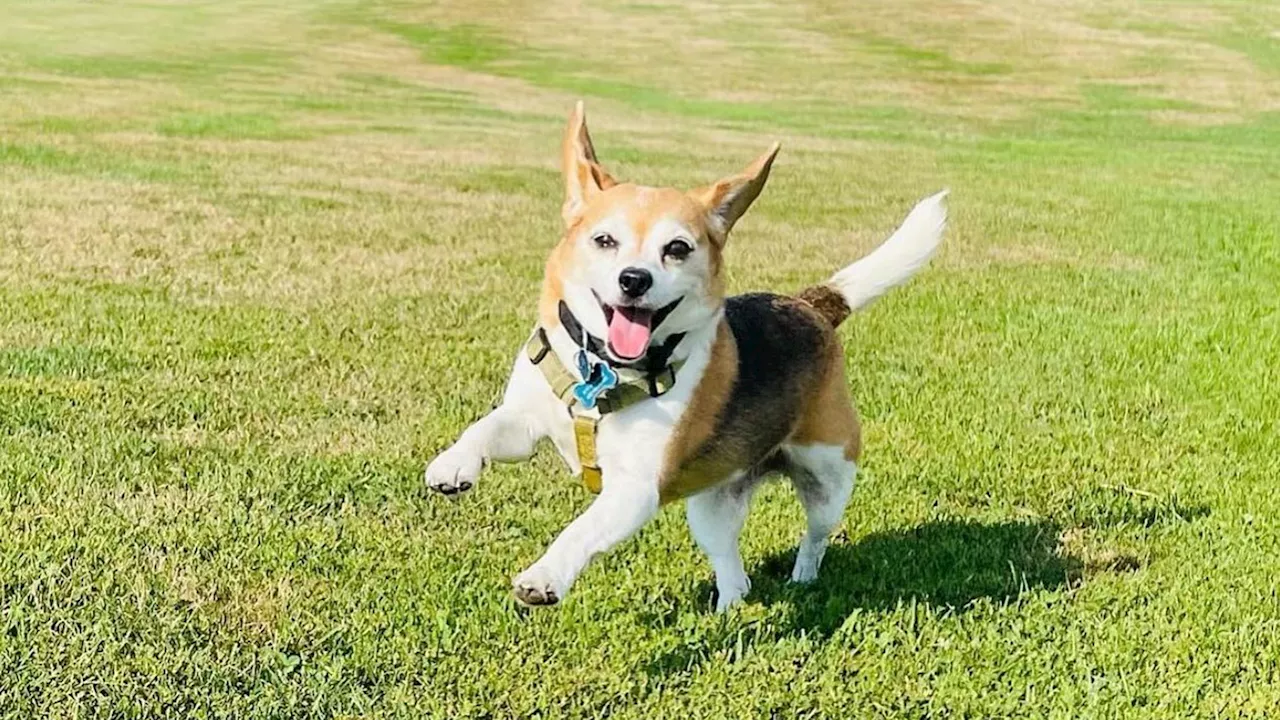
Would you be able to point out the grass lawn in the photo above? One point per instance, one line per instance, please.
(260, 260)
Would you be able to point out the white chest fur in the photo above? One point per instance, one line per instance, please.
(631, 443)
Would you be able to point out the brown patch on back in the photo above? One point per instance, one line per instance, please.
(683, 473)
(828, 301)
(830, 418)
(776, 375)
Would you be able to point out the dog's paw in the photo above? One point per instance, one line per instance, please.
(536, 587)
(808, 560)
(731, 594)
(454, 471)
(804, 573)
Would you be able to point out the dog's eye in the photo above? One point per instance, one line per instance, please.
(605, 241)
(677, 250)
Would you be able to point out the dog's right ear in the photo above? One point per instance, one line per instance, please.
(583, 176)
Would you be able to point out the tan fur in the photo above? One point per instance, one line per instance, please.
(828, 301)
(592, 194)
(552, 291)
(583, 176)
(730, 197)
(697, 458)
(683, 475)
(830, 417)
(642, 207)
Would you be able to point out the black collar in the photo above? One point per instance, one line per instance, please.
(653, 361)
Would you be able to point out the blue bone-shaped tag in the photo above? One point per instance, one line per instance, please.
(600, 378)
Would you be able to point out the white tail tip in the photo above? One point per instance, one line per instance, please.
(898, 258)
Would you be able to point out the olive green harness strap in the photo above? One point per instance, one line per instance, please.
(584, 435)
(585, 422)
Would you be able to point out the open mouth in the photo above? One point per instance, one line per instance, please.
(631, 328)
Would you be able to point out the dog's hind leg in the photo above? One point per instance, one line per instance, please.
(823, 477)
(821, 458)
(715, 519)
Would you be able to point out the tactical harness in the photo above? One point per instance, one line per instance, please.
(597, 389)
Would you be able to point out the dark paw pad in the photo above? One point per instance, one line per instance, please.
(536, 596)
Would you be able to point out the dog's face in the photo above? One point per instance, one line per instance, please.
(638, 264)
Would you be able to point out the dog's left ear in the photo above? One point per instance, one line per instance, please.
(583, 176)
(727, 199)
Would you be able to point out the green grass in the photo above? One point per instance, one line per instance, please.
(259, 261)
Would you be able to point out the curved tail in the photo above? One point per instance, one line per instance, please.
(890, 265)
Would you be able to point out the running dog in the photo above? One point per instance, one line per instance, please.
(655, 387)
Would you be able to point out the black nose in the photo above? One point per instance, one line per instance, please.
(635, 282)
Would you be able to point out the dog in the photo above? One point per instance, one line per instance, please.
(655, 387)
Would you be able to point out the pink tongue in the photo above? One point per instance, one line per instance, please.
(629, 336)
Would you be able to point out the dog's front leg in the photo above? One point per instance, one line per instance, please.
(622, 508)
(507, 434)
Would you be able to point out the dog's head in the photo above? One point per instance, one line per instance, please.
(638, 264)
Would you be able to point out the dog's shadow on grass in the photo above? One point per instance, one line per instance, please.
(943, 567)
